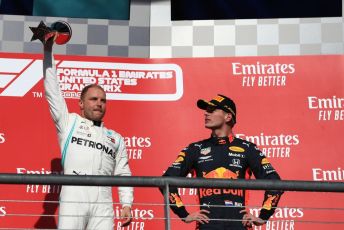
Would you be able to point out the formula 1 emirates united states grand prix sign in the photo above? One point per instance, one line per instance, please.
(121, 81)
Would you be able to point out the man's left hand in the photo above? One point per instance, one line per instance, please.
(126, 216)
(248, 220)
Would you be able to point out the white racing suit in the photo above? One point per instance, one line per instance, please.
(86, 150)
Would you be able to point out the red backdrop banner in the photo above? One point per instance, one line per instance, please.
(292, 107)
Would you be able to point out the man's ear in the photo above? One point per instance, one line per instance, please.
(228, 117)
(81, 104)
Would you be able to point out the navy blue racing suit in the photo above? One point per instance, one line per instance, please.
(226, 158)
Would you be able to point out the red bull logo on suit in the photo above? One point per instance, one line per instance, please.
(221, 173)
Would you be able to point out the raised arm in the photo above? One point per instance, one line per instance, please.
(57, 104)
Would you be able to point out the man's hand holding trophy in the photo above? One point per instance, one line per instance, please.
(59, 30)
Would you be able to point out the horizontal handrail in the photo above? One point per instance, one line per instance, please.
(148, 181)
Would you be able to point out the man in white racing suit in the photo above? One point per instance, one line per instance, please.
(87, 148)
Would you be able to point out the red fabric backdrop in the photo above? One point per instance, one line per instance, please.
(291, 106)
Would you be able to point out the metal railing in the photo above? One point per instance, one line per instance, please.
(166, 182)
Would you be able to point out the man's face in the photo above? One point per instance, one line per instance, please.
(216, 118)
(93, 105)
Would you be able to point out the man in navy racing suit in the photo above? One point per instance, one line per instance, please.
(227, 157)
(88, 148)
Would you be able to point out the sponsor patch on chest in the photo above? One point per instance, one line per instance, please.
(205, 151)
(236, 149)
(111, 139)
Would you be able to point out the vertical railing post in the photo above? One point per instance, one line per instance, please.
(167, 206)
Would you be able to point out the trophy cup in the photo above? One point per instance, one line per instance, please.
(61, 29)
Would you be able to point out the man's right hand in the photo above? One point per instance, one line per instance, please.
(249, 220)
(199, 216)
(50, 41)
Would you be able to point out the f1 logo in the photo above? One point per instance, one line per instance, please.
(18, 76)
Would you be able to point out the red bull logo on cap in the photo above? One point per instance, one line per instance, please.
(219, 98)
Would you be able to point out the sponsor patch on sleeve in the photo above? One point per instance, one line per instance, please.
(265, 161)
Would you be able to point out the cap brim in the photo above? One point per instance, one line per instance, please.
(203, 104)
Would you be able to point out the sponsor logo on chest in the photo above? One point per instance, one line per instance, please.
(205, 151)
